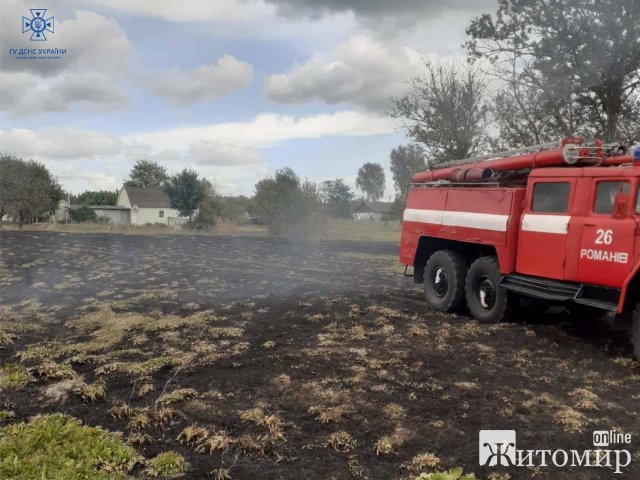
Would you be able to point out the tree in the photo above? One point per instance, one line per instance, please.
(287, 206)
(371, 180)
(446, 111)
(186, 191)
(405, 161)
(208, 208)
(147, 173)
(338, 197)
(578, 60)
(27, 190)
(233, 208)
(102, 197)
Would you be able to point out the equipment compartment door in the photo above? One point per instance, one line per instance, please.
(543, 229)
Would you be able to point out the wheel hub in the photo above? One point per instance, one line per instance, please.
(486, 293)
(440, 282)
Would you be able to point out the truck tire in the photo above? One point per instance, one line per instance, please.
(487, 302)
(444, 277)
(635, 331)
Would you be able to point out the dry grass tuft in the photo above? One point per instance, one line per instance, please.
(216, 441)
(177, 396)
(193, 435)
(384, 445)
(422, 462)
(54, 371)
(121, 410)
(93, 392)
(571, 420)
(394, 411)
(341, 442)
(330, 414)
(585, 399)
(231, 332)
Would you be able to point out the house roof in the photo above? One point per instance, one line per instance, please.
(100, 207)
(148, 197)
(374, 207)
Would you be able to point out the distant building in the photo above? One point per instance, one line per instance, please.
(375, 211)
(148, 205)
(116, 215)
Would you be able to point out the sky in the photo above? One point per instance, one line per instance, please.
(235, 89)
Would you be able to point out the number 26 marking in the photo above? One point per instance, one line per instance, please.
(604, 237)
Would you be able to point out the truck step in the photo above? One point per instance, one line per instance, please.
(559, 291)
(603, 305)
(544, 288)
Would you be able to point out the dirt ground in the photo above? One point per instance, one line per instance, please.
(276, 361)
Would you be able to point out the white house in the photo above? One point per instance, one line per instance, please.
(375, 211)
(148, 205)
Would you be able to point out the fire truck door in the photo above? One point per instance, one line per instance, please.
(606, 243)
(542, 238)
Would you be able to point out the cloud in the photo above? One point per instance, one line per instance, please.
(25, 93)
(408, 11)
(268, 129)
(205, 152)
(205, 82)
(192, 10)
(59, 143)
(89, 74)
(362, 71)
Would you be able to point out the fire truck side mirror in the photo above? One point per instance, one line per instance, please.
(622, 206)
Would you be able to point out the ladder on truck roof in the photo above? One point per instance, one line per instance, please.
(596, 149)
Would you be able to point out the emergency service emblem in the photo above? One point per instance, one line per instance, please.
(38, 24)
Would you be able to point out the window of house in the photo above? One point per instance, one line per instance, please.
(606, 195)
(550, 197)
(161, 213)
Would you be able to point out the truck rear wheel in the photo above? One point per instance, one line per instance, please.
(487, 301)
(635, 331)
(444, 277)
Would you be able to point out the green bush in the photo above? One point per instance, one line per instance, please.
(167, 465)
(83, 214)
(59, 446)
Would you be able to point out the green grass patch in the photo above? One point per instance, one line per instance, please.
(59, 446)
(166, 465)
(14, 377)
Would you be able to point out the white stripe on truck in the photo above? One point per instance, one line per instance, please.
(484, 221)
(545, 223)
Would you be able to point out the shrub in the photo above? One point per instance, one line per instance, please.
(59, 446)
(167, 465)
(83, 214)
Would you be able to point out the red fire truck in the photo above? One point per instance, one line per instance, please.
(557, 223)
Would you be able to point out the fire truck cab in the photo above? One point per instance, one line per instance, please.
(556, 224)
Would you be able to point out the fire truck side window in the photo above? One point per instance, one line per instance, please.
(550, 197)
(638, 202)
(606, 195)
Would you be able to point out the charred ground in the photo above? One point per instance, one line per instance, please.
(315, 361)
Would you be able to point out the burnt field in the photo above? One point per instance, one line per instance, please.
(259, 359)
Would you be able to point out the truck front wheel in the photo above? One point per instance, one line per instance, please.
(444, 280)
(487, 301)
(635, 331)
